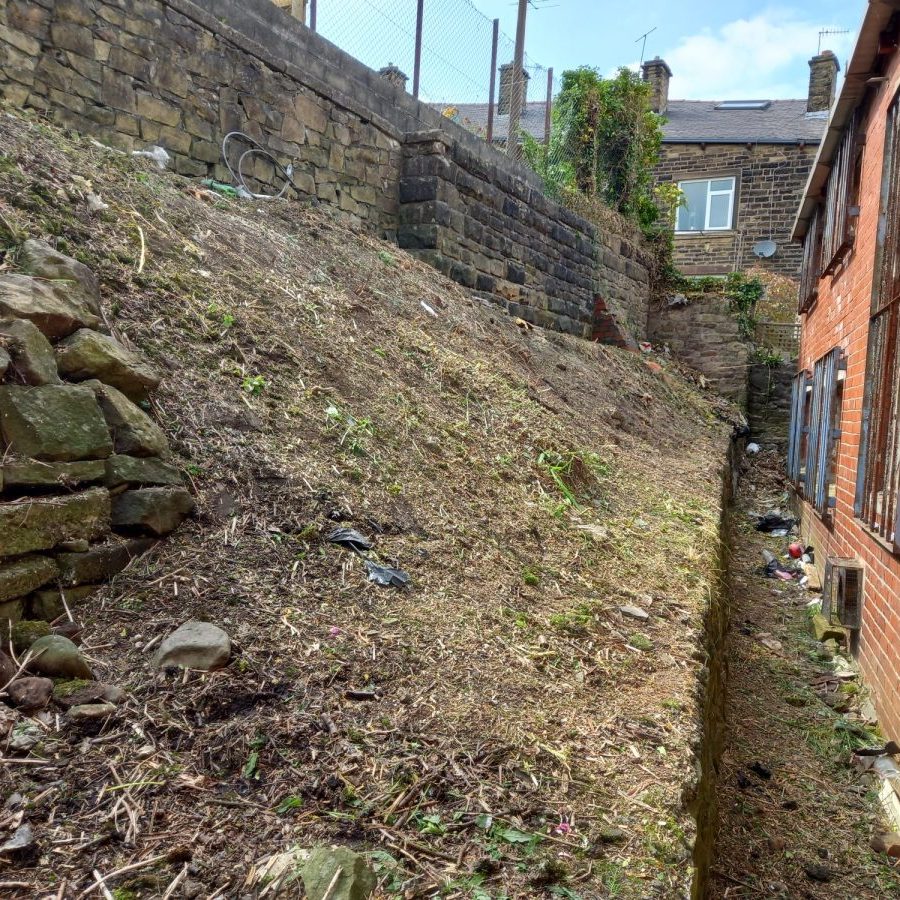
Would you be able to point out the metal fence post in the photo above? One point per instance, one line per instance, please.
(548, 109)
(312, 15)
(513, 147)
(417, 67)
(491, 93)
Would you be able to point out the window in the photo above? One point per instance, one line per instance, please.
(708, 205)
(878, 473)
(812, 254)
(842, 203)
(823, 431)
(744, 104)
(798, 428)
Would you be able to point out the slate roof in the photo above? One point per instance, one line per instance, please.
(784, 121)
(687, 122)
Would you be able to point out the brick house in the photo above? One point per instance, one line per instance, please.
(844, 448)
(742, 166)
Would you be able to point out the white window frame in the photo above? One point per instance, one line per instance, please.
(709, 195)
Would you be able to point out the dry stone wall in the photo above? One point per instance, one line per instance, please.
(705, 335)
(86, 482)
(769, 403)
(182, 75)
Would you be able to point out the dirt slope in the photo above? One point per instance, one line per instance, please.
(526, 738)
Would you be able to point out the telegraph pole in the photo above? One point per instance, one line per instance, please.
(518, 86)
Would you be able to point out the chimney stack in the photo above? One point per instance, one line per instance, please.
(823, 72)
(506, 89)
(392, 74)
(656, 73)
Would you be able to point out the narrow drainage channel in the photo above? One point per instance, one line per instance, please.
(780, 812)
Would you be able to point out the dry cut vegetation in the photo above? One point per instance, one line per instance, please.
(497, 729)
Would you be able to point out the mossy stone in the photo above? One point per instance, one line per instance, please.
(26, 632)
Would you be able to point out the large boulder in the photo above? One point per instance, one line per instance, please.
(133, 431)
(195, 645)
(31, 473)
(132, 470)
(89, 354)
(51, 309)
(33, 361)
(40, 259)
(40, 523)
(100, 562)
(57, 422)
(22, 576)
(155, 510)
(57, 657)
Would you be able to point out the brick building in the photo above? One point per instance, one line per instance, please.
(741, 165)
(844, 453)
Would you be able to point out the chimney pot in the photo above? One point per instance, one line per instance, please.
(504, 101)
(656, 73)
(823, 72)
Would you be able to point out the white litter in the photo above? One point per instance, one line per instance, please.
(157, 154)
(753, 448)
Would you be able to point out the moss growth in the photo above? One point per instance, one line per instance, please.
(26, 632)
(66, 688)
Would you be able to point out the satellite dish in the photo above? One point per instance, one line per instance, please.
(765, 249)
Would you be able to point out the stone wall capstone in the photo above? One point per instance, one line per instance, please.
(86, 483)
(182, 75)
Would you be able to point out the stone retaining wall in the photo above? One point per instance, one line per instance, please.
(705, 335)
(182, 75)
(85, 480)
(769, 403)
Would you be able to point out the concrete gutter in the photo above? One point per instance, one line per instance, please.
(860, 69)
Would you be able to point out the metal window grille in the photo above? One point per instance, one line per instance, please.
(822, 431)
(812, 255)
(878, 476)
(797, 427)
(841, 210)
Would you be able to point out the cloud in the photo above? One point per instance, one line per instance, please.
(763, 57)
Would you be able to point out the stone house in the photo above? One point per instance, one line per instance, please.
(844, 453)
(742, 166)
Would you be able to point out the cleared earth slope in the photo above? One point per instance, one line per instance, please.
(498, 728)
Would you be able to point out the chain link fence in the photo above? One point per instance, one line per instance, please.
(455, 58)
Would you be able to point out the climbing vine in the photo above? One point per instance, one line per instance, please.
(604, 144)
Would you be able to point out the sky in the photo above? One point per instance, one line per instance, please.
(737, 49)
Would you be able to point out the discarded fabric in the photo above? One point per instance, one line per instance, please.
(349, 538)
(774, 522)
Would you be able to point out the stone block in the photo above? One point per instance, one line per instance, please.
(133, 431)
(47, 604)
(89, 354)
(156, 510)
(53, 422)
(122, 469)
(11, 611)
(74, 37)
(33, 473)
(22, 576)
(310, 113)
(150, 107)
(51, 307)
(100, 562)
(24, 42)
(40, 523)
(33, 361)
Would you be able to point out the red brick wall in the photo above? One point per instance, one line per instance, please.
(841, 318)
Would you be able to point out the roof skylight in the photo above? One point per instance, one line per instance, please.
(744, 104)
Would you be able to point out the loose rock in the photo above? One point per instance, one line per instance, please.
(21, 842)
(79, 282)
(89, 354)
(155, 510)
(57, 422)
(634, 612)
(52, 310)
(91, 712)
(32, 356)
(29, 473)
(30, 693)
(356, 880)
(58, 657)
(887, 843)
(133, 431)
(195, 645)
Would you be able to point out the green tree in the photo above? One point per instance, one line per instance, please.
(604, 143)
